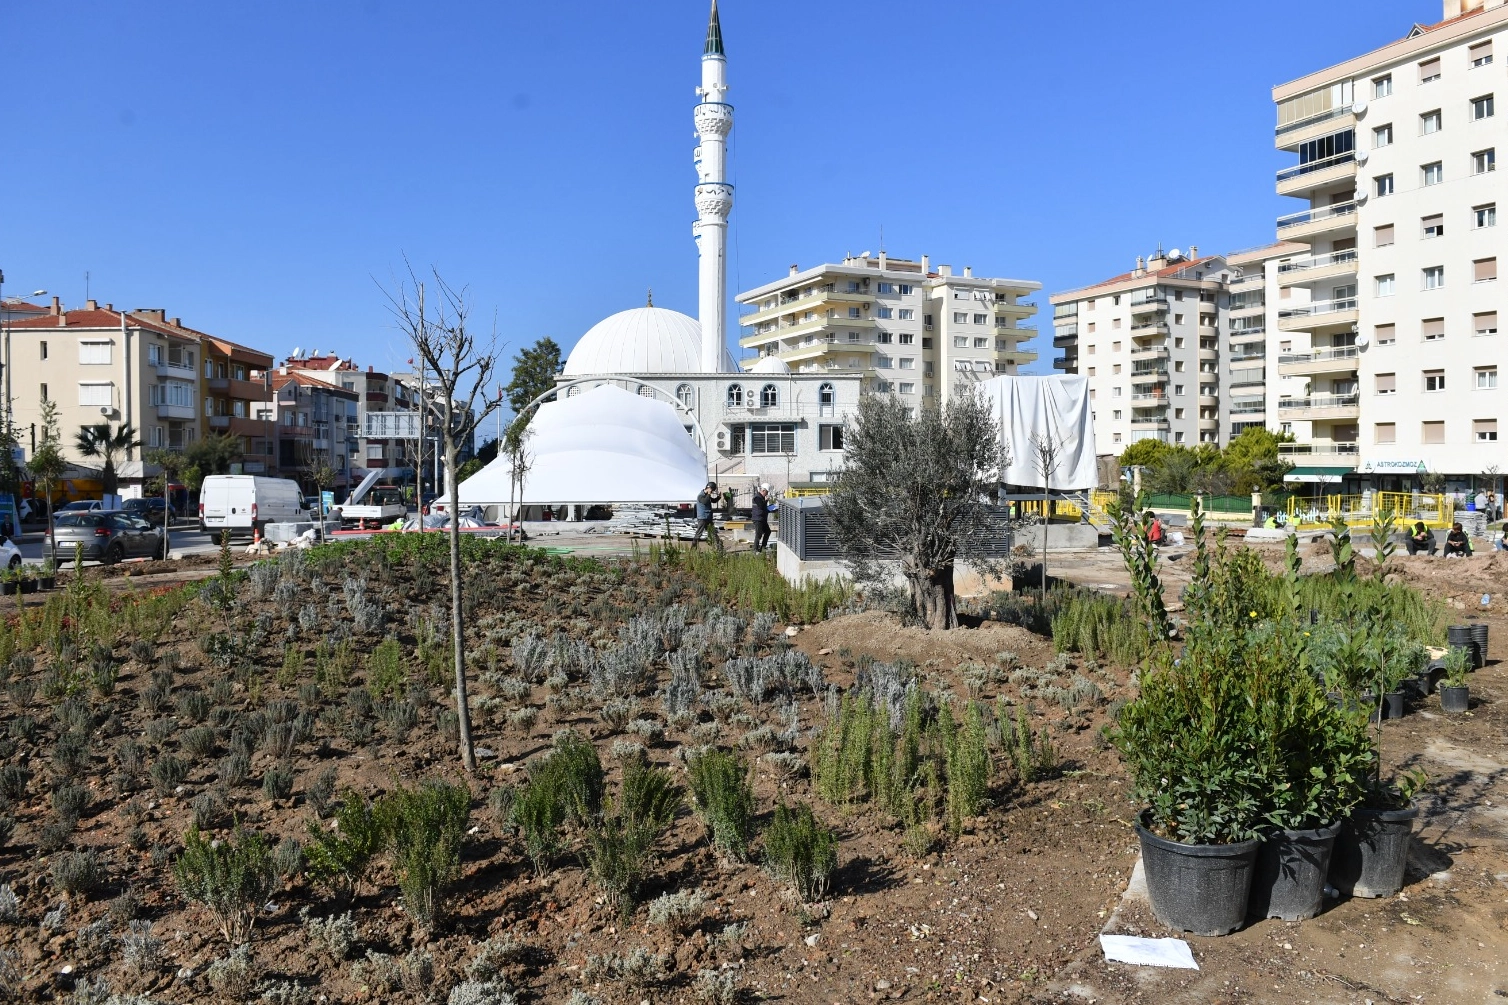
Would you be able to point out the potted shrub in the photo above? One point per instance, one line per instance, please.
(1324, 758)
(28, 579)
(1188, 740)
(1372, 849)
(1454, 694)
(10, 581)
(49, 575)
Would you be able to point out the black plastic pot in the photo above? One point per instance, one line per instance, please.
(1455, 699)
(48, 582)
(30, 586)
(1291, 869)
(1479, 640)
(1392, 705)
(1199, 888)
(1372, 851)
(9, 588)
(1459, 637)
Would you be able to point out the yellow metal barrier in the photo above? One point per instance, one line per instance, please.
(1062, 508)
(1434, 510)
(808, 490)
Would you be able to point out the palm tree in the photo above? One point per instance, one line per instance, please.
(102, 441)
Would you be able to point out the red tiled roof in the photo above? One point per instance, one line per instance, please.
(1421, 28)
(97, 318)
(1168, 272)
(26, 308)
(281, 380)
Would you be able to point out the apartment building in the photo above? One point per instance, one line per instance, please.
(98, 365)
(1150, 343)
(316, 421)
(1261, 286)
(376, 393)
(1390, 313)
(904, 327)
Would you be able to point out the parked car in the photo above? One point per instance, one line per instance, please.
(10, 555)
(83, 506)
(150, 509)
(107, 536)
(249, 502)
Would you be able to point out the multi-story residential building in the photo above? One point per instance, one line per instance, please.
(1149, 341)
(100, 365)
(315, 422)
(1391, 312)
(376, 392)
(907, 329)
(1260, 288)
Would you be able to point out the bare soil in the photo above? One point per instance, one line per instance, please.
(1007, 911)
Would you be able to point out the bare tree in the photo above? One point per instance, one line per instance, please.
(461, 367)
(1046, 453)
(171, 462)
(321, 473)
(515, 447)
(914, 490)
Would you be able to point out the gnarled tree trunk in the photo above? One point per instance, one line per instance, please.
(932, 595)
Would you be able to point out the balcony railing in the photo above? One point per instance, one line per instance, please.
(1065, 311)
(1312, 120)
(1320, 356)
(1257, 332)
(1146, 399)
(1299, 170)
(1318, 307)
(1321, 401)
(1318, 261)
(1248, 279)
(1316, 214)
(1318, 449)
(1258, 408)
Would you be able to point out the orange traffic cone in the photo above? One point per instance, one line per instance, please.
(256, 535)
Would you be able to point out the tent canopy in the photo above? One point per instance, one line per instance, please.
(1053, 409)
(605, 445)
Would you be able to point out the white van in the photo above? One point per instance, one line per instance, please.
(248, 502)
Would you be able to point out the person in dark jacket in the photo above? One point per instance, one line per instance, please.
(705, 502)
(1457, 544)
(1422, 540)
(759, 510)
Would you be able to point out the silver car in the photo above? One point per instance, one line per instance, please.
(107, 537)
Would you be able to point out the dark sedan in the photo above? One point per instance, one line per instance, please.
(106, 537)
(150, 509)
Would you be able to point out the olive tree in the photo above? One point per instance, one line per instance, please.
(914, 491)
(456, 366)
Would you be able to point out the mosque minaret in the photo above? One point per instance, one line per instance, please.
(714, 198)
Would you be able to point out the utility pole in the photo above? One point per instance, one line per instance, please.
(419, 417)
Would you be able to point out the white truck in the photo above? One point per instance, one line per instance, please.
(248, 503)
(372, 504)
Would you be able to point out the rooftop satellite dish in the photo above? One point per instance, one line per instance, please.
(296, 351)
(1363, 340)
(1175, 253)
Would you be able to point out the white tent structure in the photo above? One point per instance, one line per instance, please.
(1054, 409)
(604, 445)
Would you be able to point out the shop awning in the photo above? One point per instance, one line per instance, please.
(1318, 474)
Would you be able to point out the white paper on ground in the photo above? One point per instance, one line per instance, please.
(1148, 952)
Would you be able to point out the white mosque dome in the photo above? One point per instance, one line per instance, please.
(770, 364)
(641, 340)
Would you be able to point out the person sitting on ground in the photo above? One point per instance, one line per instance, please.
(1155, 533)
(1422, 540)
(1457, 544)
(1500, 543)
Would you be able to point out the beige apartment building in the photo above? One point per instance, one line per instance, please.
(904, 327)
(100, 365)
(1389, 354)
(1157, 348)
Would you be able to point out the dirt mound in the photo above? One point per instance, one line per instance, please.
(884, 637)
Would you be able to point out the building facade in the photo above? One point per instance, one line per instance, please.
(316, 423)
(1158, 348)
(1389, 317)
(904, 328)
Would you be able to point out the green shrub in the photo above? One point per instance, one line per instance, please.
(968, 765)
(620, 846)
(1032, 757)
(167, 773)
(724, 800)
(425, 829)
(78, 872)
(385, 674)
(277, 781)
(338, 858)
(1096, 624)
(800, 851)
(232, 878)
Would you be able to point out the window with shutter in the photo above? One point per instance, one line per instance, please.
(1387, 383)
(1383, 235)
(1429, 70)
(1384, 334)
(1485, 323)
(1431, 329)
(1484, 270)
(1432, 432)
(1480, 54)
(94, 352)
(96, 395)
(1385, 432)
(1485, 430)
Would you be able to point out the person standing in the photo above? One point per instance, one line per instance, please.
(705, 501)
(759, 510)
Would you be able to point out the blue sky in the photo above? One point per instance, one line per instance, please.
(259, 168)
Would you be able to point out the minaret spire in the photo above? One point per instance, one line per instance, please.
(714, 197)
(714, 46)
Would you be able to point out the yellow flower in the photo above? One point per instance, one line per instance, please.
(1253, 613)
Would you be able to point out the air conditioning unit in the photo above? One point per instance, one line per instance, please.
(107, 411)
(722, 439)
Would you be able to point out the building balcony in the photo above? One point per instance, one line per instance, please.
(1254, 376)
(1320, 221)
(1150, 422)
(1018, 356)
(800, 304)
(176, 412)
(1208, 353)
(1247, 341)
(1147, 329)
(1149, 377)
(238, 425)
(1248, 310)
(1019, 309)
(1209, 422)
(1319, 316)
(1208, 306)
(1150, 352)
(1068, 364)
(1150, 399)
(1324, 406)
(1317, 268)
(822, 347)
(1293, 135)
(1249, 408)
(1302, 179)
(245, 390)
(1062, 339)
(1327, 453)
(1151, 305)
(799, 328)
(1249, 280)
(1302, 364)
(177, 371)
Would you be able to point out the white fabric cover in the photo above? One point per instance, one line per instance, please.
(641, 340)
(605, 445)
(1048, 407)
